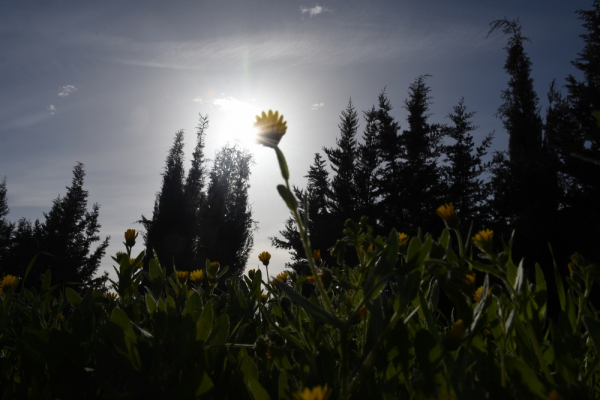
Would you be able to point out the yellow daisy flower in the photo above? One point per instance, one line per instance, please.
(264, 257)
(402, 239)
(182, 274)
(271, 127)
(130, 236)
(457, 331)
(317, 255)
(283, 276)
(316, 393)
(197, 275)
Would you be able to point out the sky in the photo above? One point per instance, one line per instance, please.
(109, 83)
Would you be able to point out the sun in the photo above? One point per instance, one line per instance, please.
(237, 121)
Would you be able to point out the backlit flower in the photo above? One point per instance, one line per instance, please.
(446, 212)
(251, 273)
(136, 266)
(316, 393)
(402, 239)
(111, 296)
(182, 274)
(571, 266)
(9, 280)
(282, 276)
(119, 256)
(478, 293)
(264, 297)
(130, 236)
(483, 239)
(317, 255)
(271, 128)
(310, 279)
(197, 275)
(457, 331)
(264, 257)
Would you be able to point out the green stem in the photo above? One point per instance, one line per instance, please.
(538, 352)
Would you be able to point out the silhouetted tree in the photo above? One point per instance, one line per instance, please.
(226, 222)
(68, 233)
(165, 232)
(419, 184)
(464, 185)
(532, 193)
(367, 161)
(343, 163)
(6, 227)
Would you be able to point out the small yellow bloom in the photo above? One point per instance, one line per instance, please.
(264, 257)
(271, 127)
(402, 239)
(197, 275)
(478, 293)
(470, 279)
(251, 273)
(138, 265)
(317, 255)
(316, 393)
(483, 239)
(182, 274)
(445, 211)
(130, 236)
(457, 331)
(283, 276)
(119, 256)
(9, 280)
(371, 248)
(264, 297)
(571, 266)
(553, 395)
(310, 279)
(111, 296)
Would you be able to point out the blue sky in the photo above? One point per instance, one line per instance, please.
(109, 83)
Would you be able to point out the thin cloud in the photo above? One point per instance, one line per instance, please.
(51, 108)
(67, 90)
(316, 106)
(316, 10)
(198, 100)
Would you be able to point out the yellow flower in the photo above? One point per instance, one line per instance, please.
(310, 279)
(317, 255)
(483, 239)
(119, 256)
(182, 274)
(197, 275)
(470, 279)
(571, 266)
(446, 212)
(282, 276)
(264, 297)
(478, 293)
(371, 248)
(138, 265)
(130, 236)
(9, 280)
(264, 257)
(111, 296)
(402, 239)
(457, 331)
(251, 273)
(271, 128)
(316, 393)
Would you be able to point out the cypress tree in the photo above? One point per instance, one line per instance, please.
(226, 223)
(6, 227)
(165, 232)
(367, 162)
(343, 163)
(464, 186)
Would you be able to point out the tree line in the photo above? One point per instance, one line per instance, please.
(543, 186)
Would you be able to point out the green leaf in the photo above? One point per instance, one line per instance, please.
(433, 328)
(220, 331)
(150, 303)
(46, 281)
(73, 297)
(257, 390)
(205, 322)
(284, 387)
(121, 332)
(285, 173)
(524, 378)
(193, 306)
(559, 283)
(593, 327)
(288, 197)
(307, 305)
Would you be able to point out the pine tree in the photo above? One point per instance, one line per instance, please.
(367, 162)
(322, 231)
(6, 227)
(165, 232)
(226, 223)
(388, 172)
(464, 186)
(419, 180)
(343, 162)
(67, 233)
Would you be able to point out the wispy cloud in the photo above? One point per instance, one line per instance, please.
(51, 108)
(316, 106)
(67, 90)
(316, 10)
(198, 100)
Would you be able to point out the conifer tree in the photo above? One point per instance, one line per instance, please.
(165, 232)
(367, 162)
(226, 222)
(67, 233)
(531, 177)
(322, 231)
(464, 186)
(419, 179)
(343, 163)
(6, 227)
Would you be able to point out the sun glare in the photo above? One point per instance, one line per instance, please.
(237, 121)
